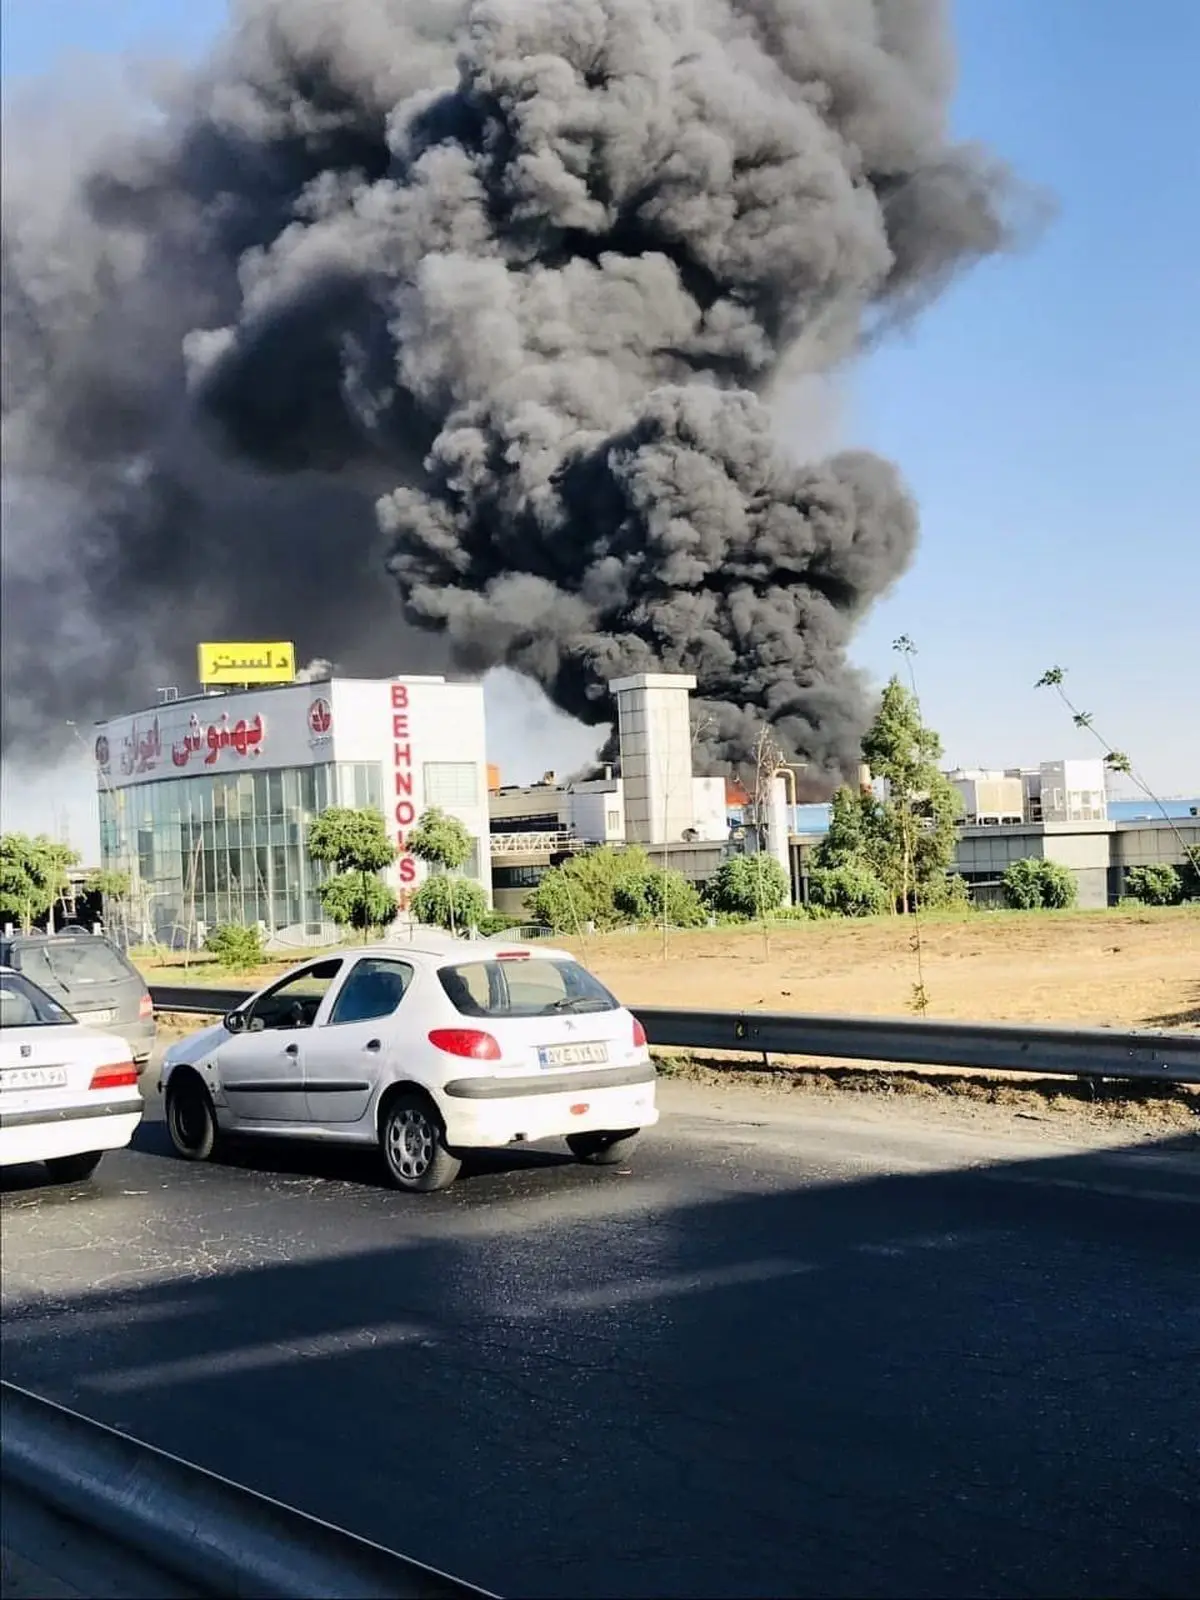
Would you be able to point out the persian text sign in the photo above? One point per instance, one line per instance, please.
(246, 663)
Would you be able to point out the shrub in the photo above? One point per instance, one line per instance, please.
(640, 897)
(847, 891)
(437, 896)
(1159, 885)
(358, 900)
(749, 885)
(1038, 885)
(493, 922)
(583, 888)
(236, 946)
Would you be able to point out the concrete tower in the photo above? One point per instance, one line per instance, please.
(655, 735)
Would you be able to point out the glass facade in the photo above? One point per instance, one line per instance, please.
(228, 847)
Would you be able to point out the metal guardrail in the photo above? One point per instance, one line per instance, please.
(990, 1047)
(215, 1535)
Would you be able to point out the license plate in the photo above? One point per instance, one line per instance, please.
(34, 1078)
(571, 1055)
(96, 1018)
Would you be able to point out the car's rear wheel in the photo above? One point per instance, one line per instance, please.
(74, 1169)
(191, 1118)
(414, 1145)
(603, 1149)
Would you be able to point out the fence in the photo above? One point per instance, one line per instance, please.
(1004, 1047)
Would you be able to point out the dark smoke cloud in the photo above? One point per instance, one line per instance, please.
(506, 286)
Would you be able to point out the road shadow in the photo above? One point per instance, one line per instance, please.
(973, 1383)
(1186, 1017)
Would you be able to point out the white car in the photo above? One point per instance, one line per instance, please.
(425, 1052)
(67, 1093)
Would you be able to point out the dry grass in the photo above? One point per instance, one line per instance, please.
(1115, 968)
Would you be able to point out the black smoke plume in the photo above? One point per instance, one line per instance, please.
(497, 293)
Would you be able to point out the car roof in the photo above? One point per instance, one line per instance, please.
(442, 952)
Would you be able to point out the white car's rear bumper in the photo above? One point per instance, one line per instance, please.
(483, 1112)
(41, 1136)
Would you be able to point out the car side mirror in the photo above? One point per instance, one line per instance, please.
(235, 1021)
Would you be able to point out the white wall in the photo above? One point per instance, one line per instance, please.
(596, 810)
(656, 755)
(708, 808)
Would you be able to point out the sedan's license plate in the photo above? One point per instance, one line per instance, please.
(96, 1018)
(571, 1055)
(34, 1078)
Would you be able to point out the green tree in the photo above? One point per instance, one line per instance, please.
(444, 845)
(358, 900)
(33, 874)
(1156, 885)
(446, 901)
(354, 842)
(1035, 884)
(583, 888)
(640, 897)
(351, 840)
(748, 886)
(906, 842)
(441, 841)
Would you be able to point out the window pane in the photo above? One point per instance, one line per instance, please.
(451, 783)
(374, 989)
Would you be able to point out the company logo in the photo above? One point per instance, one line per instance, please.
(102, 752)
(320, 718)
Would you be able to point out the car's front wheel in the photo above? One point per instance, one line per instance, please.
(603, 1149)
(414, 1145)
(74, 1169)
(191, 1118)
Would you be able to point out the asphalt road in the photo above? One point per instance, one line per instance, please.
(831, 1350)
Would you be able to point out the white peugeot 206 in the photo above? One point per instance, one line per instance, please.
(68, 1093)
(424, 1050)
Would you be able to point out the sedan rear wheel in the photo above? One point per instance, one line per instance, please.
(414, 1146)
(603, 1149)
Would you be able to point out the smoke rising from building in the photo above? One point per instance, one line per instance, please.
(495, 294)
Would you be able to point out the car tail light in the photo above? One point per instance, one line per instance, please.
(639, 1035)
(120, 1075)
(145, 1007)
(468, 1042)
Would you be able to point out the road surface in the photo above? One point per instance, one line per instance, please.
(801, 1348)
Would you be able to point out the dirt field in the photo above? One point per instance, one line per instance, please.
(1100, 968)
(1115, 968)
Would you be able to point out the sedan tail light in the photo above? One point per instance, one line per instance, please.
(145, 1007)
(120, 1075)
(639, 1035)
(468, 1042)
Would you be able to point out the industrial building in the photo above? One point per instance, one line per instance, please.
(205, 801)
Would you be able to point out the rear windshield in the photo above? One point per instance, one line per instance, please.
(24, 1005)
(71, 964)
(532, 986)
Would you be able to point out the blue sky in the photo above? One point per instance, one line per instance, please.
(1046, 412)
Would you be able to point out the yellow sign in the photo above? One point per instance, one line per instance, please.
(246, 663)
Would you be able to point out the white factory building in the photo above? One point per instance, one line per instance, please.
(206, 800)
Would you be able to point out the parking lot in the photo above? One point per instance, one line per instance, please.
(819, 1349)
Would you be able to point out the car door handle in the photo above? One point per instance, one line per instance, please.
(372, 1045)
(291, 1050)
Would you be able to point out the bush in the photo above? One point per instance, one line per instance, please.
(847, 891)
(438, 896)
(1158, 885)
(493, 922)
(358, 900)
(1038, 885)
(750, 886)
(236, 946)
(583, 888)
(640, 897)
